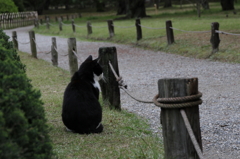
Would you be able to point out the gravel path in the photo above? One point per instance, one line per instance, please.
(141, 69)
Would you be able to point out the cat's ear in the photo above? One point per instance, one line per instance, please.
(89, 59)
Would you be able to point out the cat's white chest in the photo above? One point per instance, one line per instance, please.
(96, 83)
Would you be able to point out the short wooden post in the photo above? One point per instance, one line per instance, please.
(56, 19)
(110, 28)
(177, 142)
(73, 25)
(48, 23)
(60, 24)
(79, 15)
(215, 37)
(73, 62)
(89, 28)
(41, 21)
(67, 17)
(139, 29)
(110, 89)
(14, 40)
(169, 30)
(54, 52)
(37, 23)
(33, 43)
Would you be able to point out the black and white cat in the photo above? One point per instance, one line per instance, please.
(81, 111)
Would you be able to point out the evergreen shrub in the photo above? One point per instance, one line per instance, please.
(23, 128)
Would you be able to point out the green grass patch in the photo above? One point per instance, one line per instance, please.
(125, 134)
(191, 44)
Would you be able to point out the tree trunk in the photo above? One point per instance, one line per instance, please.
(167, 3)
(100, 5)
(227, 4)
(136, 9)
(122, 7)
(205, 4)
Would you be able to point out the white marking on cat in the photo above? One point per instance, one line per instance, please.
(69, 130)
(96, 83)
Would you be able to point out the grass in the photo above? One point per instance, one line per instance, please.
(191, 44)
(125, 134)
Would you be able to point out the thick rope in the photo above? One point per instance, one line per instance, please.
(179, 105)
(185, 99)
(191, 134)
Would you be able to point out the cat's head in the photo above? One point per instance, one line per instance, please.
(91, 69)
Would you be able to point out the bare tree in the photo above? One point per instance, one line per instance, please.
(227, 4)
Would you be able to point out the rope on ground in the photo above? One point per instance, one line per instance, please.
(149, 27)
(98, 26)
(21, 42)
(190, 31)
(65, 24)
(222, 32)
(39, 48)
(123, 86)
(79, 26)
(189, 101)
(131, 26)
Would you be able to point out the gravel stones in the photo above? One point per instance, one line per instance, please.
(141, 69)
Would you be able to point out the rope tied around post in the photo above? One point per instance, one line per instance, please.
(178, 102)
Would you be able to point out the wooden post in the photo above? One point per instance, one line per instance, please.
(54, 52)
(41, 21)
(139, 29)
(60, 24)
(89, 28)
(33, 44)
(73, 62)
(37, 23)
(79, 15)
(215, 37)
(177, 142)
(110, 28)
(169, 30)
(14, 40)
(73, 25)
(67, 17)
(110, 89)
(47, 23)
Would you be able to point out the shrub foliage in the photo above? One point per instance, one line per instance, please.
(7, 6)
(23, 128)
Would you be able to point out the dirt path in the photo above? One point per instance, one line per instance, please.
(141, 69)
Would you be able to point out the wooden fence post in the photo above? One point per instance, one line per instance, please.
(169, 30)
(215, 37)
(54, 52)
(110, 89)
(47, 23)
(89, 28)
(14, 40)
(177, 142)
(41, 21)
(60, 24)
(67, 17)
(110, 28)
(139, 29)
(73, 62)
(73, 25)
(33, 44)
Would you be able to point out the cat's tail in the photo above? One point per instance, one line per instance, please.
(99, 128)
